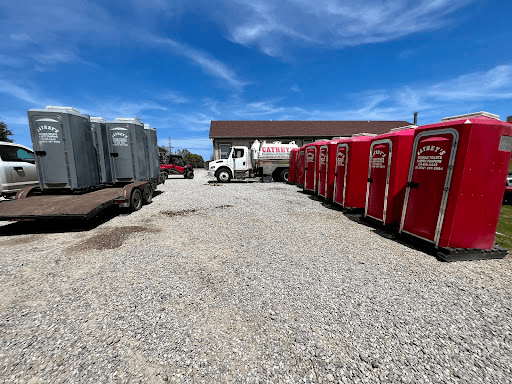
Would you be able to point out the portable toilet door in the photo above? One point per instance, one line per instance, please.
(301, 163)
(292, 171)
(99, 133)
(310, 170)
(327, 163)
(340, 172)
(351, 184)
(64, 148)
(323, 153)
(430, 173)
(388, 167)
(456, 181)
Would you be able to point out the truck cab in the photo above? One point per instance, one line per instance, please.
(238, 165)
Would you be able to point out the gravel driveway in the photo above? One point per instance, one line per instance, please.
(244, 282)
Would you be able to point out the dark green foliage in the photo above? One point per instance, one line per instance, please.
(196, 161)
(5, 133)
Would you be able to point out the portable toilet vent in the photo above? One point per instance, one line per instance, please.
(455, 185)
(153, 155)
(128, 149)
(64, 148)
(99, 135)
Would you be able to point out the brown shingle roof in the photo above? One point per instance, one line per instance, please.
(269, 129)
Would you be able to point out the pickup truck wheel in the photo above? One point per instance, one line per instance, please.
(135, 200)
(285, 173)
(147, 194)
(223, 176)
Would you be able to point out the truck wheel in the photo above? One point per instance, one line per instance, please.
(135, 200)
(147, 194)
(189, 175)
(223, 176)
(285, 173)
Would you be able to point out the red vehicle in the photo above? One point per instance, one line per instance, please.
(174, 165)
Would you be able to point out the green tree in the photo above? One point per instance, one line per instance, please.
(5, 133)
(196, 161)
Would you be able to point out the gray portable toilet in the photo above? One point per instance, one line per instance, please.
(153, 155)
(127, 146)
(99, 135)
(64, 148)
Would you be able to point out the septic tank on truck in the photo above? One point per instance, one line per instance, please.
(261, 160)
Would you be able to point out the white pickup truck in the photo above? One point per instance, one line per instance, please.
(17, 168)
(263, 159)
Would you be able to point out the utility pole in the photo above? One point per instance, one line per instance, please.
(170, 147)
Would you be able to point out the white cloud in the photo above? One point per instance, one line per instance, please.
(174, 97)
(28, 95)
(202, 59)
(271, 26)
(9, 61)
(20, 37)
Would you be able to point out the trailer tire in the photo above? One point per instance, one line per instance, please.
(223, 175)
(147, 194)
(135, 200)
(285, 174)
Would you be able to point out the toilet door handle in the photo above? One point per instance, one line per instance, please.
(412, 184)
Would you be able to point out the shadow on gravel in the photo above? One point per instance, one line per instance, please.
(186, 212)
(386, 233)
(110, 239)
(234, 182)
(58, 226)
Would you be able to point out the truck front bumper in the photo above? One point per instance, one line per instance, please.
(211, 173)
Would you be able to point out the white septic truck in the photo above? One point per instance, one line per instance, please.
(262, 160)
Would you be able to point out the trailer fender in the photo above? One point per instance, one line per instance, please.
(26, 192)
(127, 192)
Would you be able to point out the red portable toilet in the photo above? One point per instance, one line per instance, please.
(301, 163)
(292, 170)
(351, 171)
(455, 185)
(312, 154)
(327, 167)
(388, 168)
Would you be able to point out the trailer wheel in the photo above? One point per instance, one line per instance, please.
(135, 200)
(147, 194)
(285, 174)
(223, 176)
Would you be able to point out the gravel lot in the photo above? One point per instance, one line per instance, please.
(244, 282)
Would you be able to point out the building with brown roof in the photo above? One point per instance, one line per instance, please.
(226, 134)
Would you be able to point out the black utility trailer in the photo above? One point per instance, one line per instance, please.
(31, 203)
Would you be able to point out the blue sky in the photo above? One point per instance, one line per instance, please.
(180, 64)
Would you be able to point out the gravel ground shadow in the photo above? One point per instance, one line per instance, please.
(58, 226)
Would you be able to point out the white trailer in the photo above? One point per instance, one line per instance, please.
(261, 160)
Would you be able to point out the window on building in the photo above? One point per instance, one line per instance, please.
(225, 149)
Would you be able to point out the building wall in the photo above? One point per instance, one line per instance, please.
(247, 142)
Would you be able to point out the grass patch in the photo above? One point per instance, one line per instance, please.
(505, 227)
